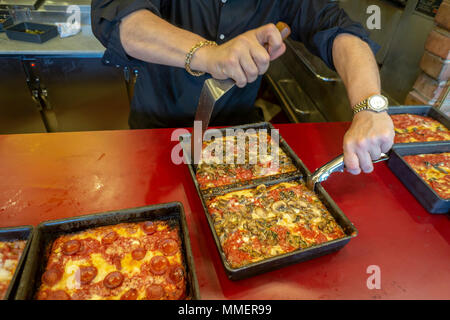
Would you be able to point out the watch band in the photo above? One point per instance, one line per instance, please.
(363, 105)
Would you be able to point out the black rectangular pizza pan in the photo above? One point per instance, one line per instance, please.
(426, 111)
(293, 257)
(421, 190)
(18, 32)
(15, 234)
(302, 170)
(48, 231)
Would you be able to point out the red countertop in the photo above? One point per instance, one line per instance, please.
(58, 175)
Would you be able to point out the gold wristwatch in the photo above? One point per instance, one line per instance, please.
(375, 103)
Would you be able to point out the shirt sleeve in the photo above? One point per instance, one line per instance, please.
(105, 20)
(317, 23)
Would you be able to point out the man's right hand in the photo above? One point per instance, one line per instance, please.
(243, 58)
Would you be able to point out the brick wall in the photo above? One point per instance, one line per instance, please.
(432, 85)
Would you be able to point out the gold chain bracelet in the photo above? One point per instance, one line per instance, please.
(187, 63)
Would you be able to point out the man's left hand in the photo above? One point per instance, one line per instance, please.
(369, 135)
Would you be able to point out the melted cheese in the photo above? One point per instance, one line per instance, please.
(5, 275)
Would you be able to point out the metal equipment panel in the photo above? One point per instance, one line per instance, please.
(84, 94)
(18, 112)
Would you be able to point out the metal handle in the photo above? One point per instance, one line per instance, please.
(293, 92)
(335, 165)
(311, 68)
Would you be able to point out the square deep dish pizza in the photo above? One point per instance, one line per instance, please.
(242, 159)
(10, 253)
(127, 261)
(266, 221)
(434, 169)
(416, 128)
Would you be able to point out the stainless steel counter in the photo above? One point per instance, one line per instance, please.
(47, 4)
(85, 5)
(84, 44)
(67, 2)
(31, 4)
(80, 45)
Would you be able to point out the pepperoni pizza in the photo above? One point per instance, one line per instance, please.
(128, 261)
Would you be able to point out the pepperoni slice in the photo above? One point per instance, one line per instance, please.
(155, 292)
(51, 276)
(58, 295)
(113, 280)
(159, 265)
(131, 294)
(110, 238)
(169, 247)
(175, 294)
(87, 274)
(83, 248)
(176, 274)
(149, 227)
(138, 254)
(71, 247)
(42, 295)
(117, 261)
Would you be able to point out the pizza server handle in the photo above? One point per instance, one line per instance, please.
(335, 165)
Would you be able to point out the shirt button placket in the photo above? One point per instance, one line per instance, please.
(221, 35)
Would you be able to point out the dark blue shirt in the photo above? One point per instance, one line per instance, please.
(168, 96)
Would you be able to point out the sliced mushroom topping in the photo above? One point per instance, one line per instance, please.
(293, 204)
(219, 222)
(252, 227)
(260, 189)
(261, 212)
(302, 203)
(279, 206)
(316, 212)
(322, 225)
(231, 222)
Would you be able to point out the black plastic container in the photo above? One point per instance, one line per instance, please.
(14, 234)
(286, 259)
(48, 231)
(426, 111)
(5, 21)
(18, 32)
(421, 190)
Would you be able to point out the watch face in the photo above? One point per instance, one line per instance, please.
(378, 102)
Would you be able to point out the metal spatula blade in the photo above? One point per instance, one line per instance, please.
(212, 91)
